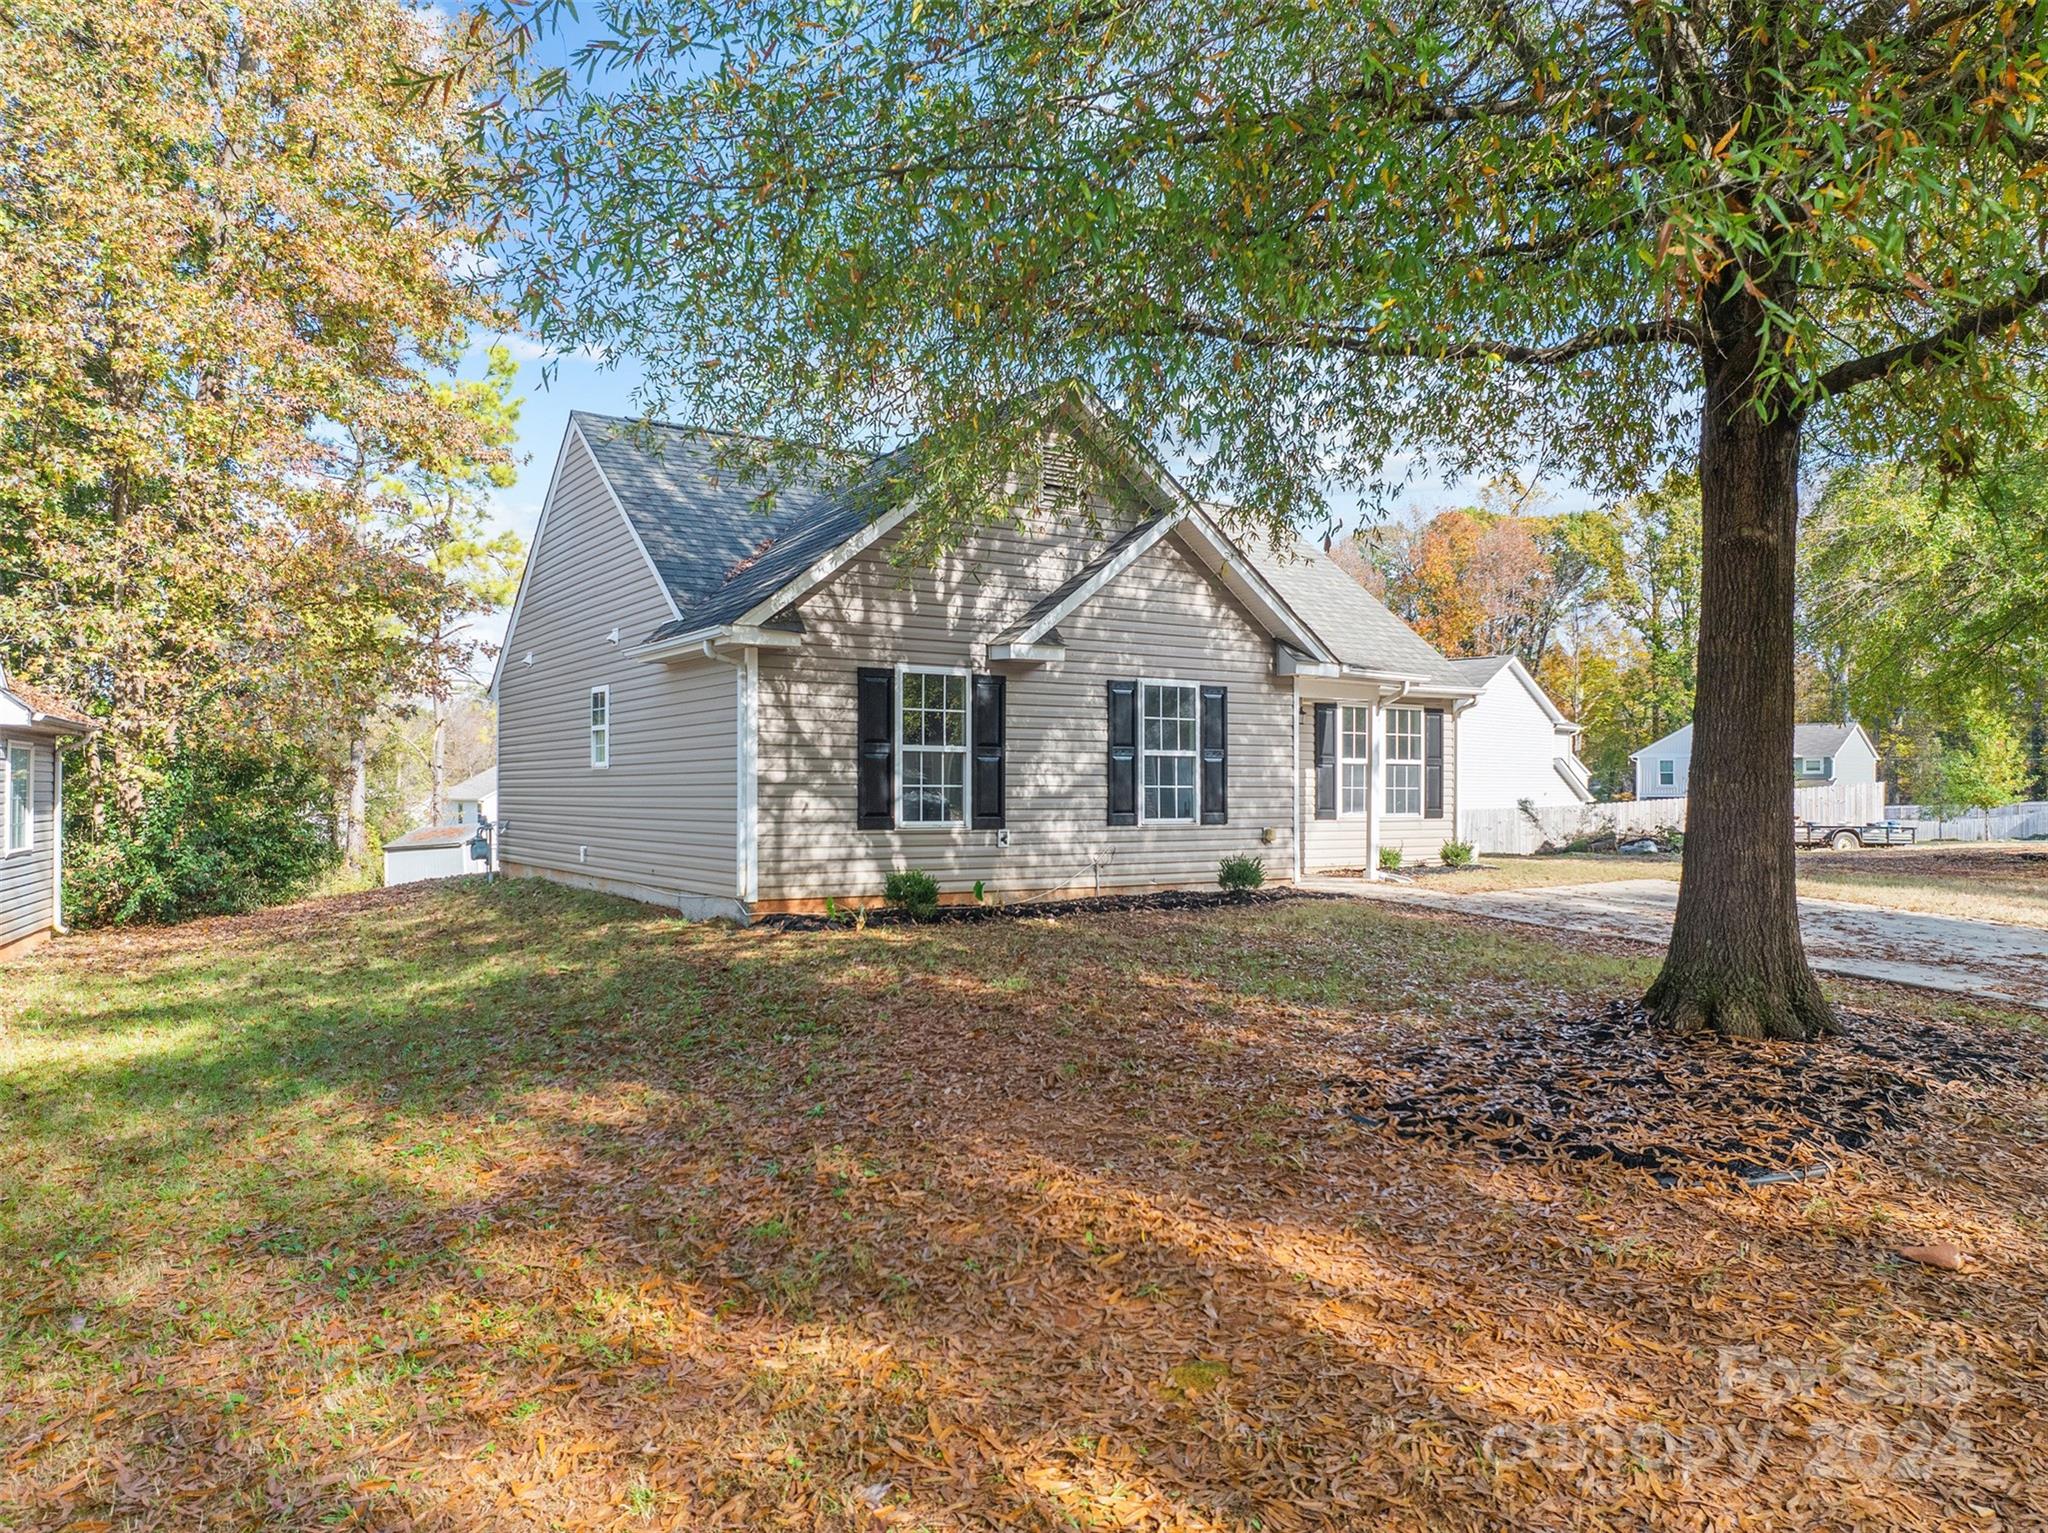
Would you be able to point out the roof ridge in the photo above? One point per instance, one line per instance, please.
(686, 429)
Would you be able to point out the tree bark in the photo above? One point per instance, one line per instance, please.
(357, 847)
(1736, 963)
(437, 762)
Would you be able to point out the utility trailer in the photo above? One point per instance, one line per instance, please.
(1847, 838)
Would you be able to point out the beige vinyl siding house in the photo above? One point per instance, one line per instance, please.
(1163, 618)
(34, 734)
(657, 819)
(736, 708)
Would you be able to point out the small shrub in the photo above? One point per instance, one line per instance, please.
(1243, 871)
(912, 891)
(1457, 854)
(1390, 858)
(224, 831)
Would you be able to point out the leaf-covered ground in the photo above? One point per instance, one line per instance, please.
(516, 1208)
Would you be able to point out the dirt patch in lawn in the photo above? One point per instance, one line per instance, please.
(520, 1208)
(1938, 861)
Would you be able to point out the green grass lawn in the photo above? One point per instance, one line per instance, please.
(508, 1206)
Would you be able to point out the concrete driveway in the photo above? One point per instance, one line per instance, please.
(1981, 958)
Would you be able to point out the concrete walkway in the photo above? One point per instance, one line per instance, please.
(1987, 959)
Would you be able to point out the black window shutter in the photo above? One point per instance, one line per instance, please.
(989, 739)
(1326, 761)
(1433, 764)
(876, 769)
(1123, 753)
(1215, 756)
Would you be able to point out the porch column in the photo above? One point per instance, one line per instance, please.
(1375, 792)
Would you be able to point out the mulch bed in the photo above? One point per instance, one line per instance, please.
(1620, 1088)
(1101, 904)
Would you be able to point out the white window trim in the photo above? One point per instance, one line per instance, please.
(7, 800)
(1662, 780)
(1420, 763)
(606, 693)
(1196, 688)
(1343, 761)
(910, 668)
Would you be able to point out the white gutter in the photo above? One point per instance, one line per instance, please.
(746, 766)
(702, 640)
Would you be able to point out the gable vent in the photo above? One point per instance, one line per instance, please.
(1059, 479)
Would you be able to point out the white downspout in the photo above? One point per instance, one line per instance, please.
(1294, 741)
(747, 746)
(57, 841)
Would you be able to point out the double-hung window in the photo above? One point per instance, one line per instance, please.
(1404, 761)
(600, 726)
(1354, 760)
(931, 748)
(1169, 729)
(1667, 774)
(21, 768)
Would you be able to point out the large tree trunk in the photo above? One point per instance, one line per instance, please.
(1736, 963)
(437, 762)
(357, 847)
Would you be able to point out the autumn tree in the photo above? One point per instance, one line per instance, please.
(449, 513)
(1306, 245)
(225, 302)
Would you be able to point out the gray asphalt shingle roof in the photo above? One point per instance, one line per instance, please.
(720, 553)
(1355, 624)
(1481, 669)
(713, 544)
(1807, 740)
(482, 785)
(1819, 739)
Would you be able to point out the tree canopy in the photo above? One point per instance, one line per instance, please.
(228, 301)
(1307, 245)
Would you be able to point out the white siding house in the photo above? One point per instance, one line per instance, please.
(474, 798)
(35, 731)
(1516, 746)
(1823, 755)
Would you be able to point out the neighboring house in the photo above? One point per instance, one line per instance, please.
(35, 731)
(1518, 748)
(442, 851)
(729, 710)
(437, 851)
(472, 798)
(1823, 755)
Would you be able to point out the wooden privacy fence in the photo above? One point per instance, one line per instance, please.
(1520, 832)
(2005, 822)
